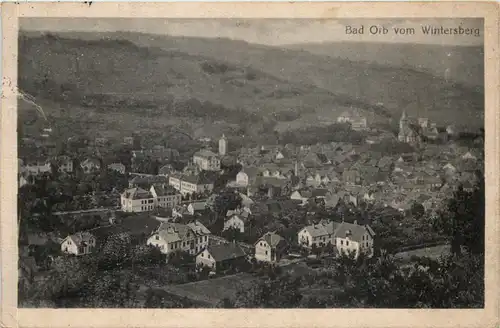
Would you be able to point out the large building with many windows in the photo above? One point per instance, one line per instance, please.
(142, 200)
(175, 237)
(345, 237)
(206, 160)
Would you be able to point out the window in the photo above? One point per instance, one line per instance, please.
(347, 243)
(202, 255)
(183, 244)
(206, 238)
(266, 252)
(208, 255)
(157, 237)
(341, 242)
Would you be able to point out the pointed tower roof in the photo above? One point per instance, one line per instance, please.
(404, 116)
(223, 136)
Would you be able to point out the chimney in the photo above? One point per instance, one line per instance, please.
(356, 222)
(296, 171)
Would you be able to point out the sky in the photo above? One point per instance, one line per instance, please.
(273, 32)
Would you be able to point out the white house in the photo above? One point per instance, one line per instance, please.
(206, 160)
(90, 165)
(270, 248)
(79, 244)
(37, 167)
(247, 176)
(118, 167)
(237, 219)
(165, 196)
(469, 155)
(346, 237)
(196, 207)
(354, 238)
(302, 196)
(171, 237)
(317, 234)
(188, 184)
(357, 121)
(221, 256)
(65, 164)
(137, 200)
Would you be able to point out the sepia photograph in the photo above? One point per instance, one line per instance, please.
(251, 163)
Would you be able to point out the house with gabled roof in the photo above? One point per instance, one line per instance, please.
(237, 219)
(221, 257)
(247, 176)
(206, 160)
(80, 243)
(137, 200)
(165, 196)
(346, 237)
(271, 247)
(197, 207)
(117, 167)
(64, 164)
(37, 166)
(146, 181)
(90, 165)
(188, 184)
(171, 237)
(354, 118)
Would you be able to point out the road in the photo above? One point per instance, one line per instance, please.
(92, 210)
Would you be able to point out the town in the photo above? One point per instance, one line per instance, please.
(174, 228)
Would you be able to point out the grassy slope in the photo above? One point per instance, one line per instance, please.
(372, 83)
(440, 60)
(151, 70)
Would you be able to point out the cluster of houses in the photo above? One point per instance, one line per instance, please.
(215, 252)
(356, 174)
(326, 174)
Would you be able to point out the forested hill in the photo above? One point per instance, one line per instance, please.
(463, 64)
(147, 73)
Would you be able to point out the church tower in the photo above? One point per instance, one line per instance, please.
(223, 145)
(403, 122)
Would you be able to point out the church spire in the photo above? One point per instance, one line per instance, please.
(403, 116)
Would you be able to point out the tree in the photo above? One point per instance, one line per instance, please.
(112, 289)
(179, 258)
(282, 292)
(116, 251)
(463, 220)
(417, 210)
(224, 202)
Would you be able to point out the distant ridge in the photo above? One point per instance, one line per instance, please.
(236, 75)
(444, 61)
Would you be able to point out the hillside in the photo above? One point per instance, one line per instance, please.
(443, 61)
(192, 83)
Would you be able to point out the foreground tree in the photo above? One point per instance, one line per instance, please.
(463, 220)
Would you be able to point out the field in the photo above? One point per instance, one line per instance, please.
(212, 291)
(432, 252)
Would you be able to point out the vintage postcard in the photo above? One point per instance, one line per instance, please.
(249, 164)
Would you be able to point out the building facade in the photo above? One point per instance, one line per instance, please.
(206, 160)
(189, 184)
(79, 244)
(270, 248)
(173, 237)
(407, 133)
(346, 237)
(223, 145)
